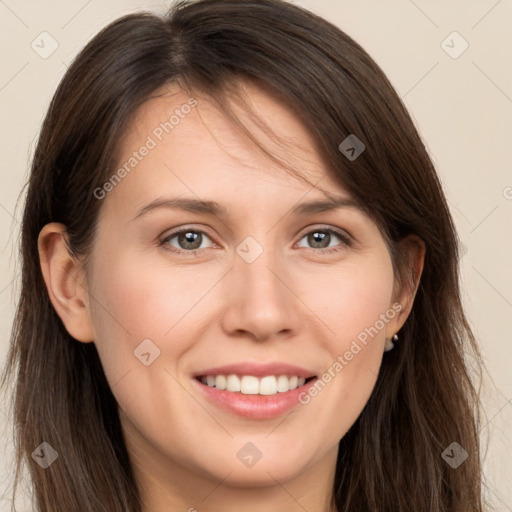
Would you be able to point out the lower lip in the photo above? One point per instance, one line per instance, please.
(254, 406)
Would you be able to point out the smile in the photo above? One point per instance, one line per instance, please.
(252, 385)
(254, 390)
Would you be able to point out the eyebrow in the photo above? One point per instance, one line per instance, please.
(213, 208)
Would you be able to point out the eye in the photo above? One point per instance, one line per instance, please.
(188, 240)
(321, 238)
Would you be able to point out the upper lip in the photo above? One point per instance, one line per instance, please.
(257, 370)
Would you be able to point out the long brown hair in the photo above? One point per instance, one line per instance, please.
(424, 399)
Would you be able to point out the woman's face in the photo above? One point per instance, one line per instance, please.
(259, 291)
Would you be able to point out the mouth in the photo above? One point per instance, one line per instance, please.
(254, 391)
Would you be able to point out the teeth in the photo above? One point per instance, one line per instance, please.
(283, 383)
(232, 383)
(250, 385)
(268, 385)
(220, 382)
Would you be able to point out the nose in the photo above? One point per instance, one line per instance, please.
(261, 302)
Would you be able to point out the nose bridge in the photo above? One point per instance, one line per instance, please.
(261, 302)
(257, 266)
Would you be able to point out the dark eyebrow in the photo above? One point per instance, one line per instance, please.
(213, 208)
(186, 204)
(321, 206)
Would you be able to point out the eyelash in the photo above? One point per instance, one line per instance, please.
(346, 241)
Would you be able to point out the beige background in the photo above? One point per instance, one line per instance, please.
(462, 107)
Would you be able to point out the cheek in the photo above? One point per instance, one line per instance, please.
(355, 305)
(142, 301)
(351, 299)
(132, 304)
(138, 315)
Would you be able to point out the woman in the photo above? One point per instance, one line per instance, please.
(240, 280)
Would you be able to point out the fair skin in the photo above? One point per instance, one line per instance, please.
(295, 303)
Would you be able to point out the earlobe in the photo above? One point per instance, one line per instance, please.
(413, 249)
(65, 281)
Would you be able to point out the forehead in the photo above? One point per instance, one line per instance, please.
(189, 142)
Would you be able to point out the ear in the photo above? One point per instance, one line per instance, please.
(65, 281)
(412, 249)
